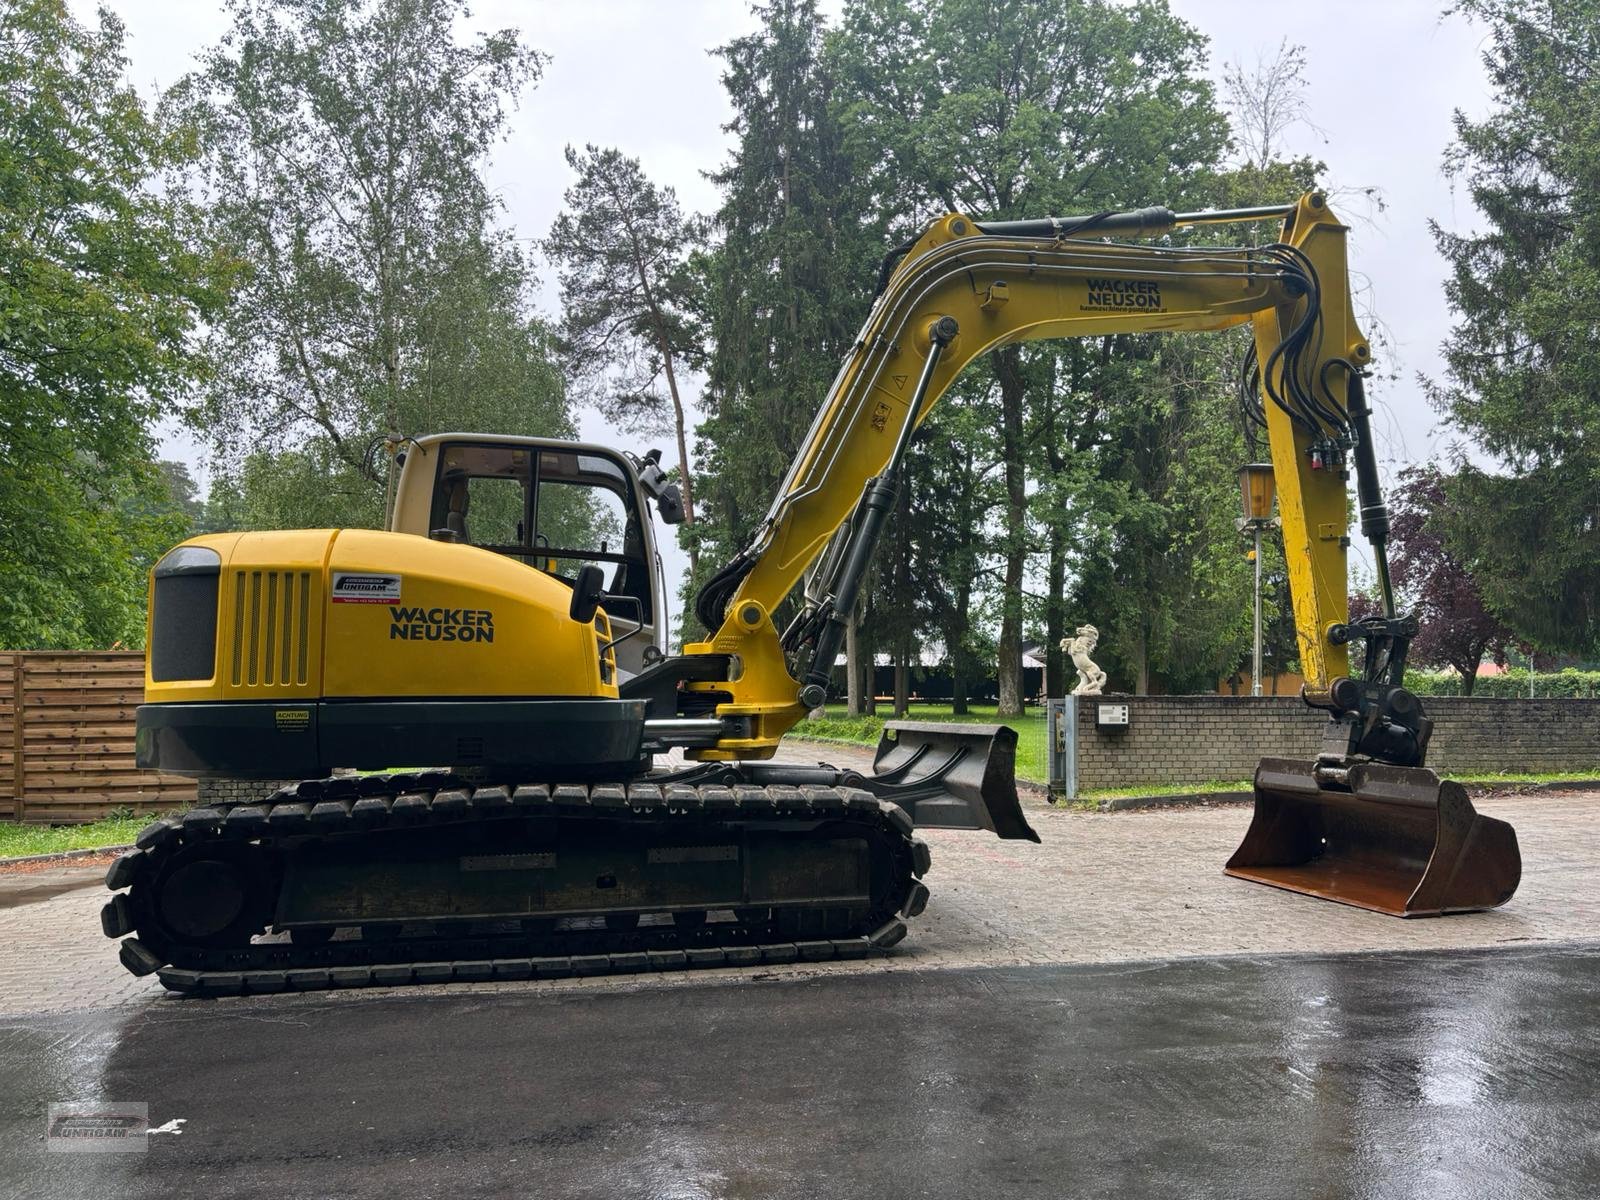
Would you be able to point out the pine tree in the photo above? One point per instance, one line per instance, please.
(791, 276)
(1523, 358)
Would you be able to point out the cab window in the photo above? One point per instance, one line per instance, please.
(557, 510)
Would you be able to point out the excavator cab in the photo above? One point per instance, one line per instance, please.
(558, 506)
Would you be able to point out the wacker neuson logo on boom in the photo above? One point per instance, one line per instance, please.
(1119, 295)
(441, 624)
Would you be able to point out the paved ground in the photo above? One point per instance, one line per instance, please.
(1104, 1014)
(1460, 1074)
(1101, 888)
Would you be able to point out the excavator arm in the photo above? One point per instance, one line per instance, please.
(1364, 823)
(965, 288)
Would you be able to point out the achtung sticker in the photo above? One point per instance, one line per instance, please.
(350, 587)
(293, 720)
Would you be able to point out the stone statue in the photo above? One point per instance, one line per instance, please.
(1091, 679)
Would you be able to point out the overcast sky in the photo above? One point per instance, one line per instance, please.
(636, 74)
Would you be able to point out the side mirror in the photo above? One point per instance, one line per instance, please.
(669, 500)
(669, 503)
(587, 591)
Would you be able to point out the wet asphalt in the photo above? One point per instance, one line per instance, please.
(1460, 1074)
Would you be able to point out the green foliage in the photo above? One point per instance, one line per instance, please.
(103, 281)
(117, 829)
(1524, 358)
(842, 727)
(293, 489)
(1457, 631)
(1511, 684)
(622, 246)
(971, 105)
(963, 106)
(952, 489)
(344, 145)
(1163, 574)
(789, 282)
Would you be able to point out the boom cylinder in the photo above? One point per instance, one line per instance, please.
(1138, 222)
(872, 514)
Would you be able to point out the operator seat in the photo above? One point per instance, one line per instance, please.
(456, 517)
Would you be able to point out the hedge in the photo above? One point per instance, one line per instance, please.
(1512, 685)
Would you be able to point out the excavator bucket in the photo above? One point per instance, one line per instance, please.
(952, 776)
(1397, 840)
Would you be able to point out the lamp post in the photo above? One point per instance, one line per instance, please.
(1257, 489)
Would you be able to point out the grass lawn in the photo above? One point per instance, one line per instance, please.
(19, 841)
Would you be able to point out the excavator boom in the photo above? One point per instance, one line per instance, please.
(965, 288)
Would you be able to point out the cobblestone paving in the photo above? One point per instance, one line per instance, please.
(1101, 888)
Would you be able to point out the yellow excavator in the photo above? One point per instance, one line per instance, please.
(496, 663)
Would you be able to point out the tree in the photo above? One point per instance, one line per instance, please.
(790, 280)
(1457, 630)
(952, 476)
(103, 282)
(345, 143)
(622, 246)
(1266, 101)
(1160, 566)
(1523, 359)
(961, 104)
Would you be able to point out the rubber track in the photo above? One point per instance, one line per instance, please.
(390, 802)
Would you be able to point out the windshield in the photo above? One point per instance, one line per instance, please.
(558, 510)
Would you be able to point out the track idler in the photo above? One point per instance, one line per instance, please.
(1395, 840)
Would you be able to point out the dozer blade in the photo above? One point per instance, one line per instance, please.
(1396, 840)
(952, 776)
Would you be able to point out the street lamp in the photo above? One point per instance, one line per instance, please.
(1256, 491)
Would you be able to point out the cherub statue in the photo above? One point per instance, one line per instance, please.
(1091, 679)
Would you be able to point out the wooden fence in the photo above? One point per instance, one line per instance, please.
(66, 739)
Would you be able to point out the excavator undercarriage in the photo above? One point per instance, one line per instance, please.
(428, 878)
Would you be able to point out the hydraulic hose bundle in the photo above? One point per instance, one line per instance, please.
(1289, 380)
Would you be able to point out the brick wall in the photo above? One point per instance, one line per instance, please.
(1196, 739)
(238, 791)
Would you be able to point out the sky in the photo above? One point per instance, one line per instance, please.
(636, 74)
